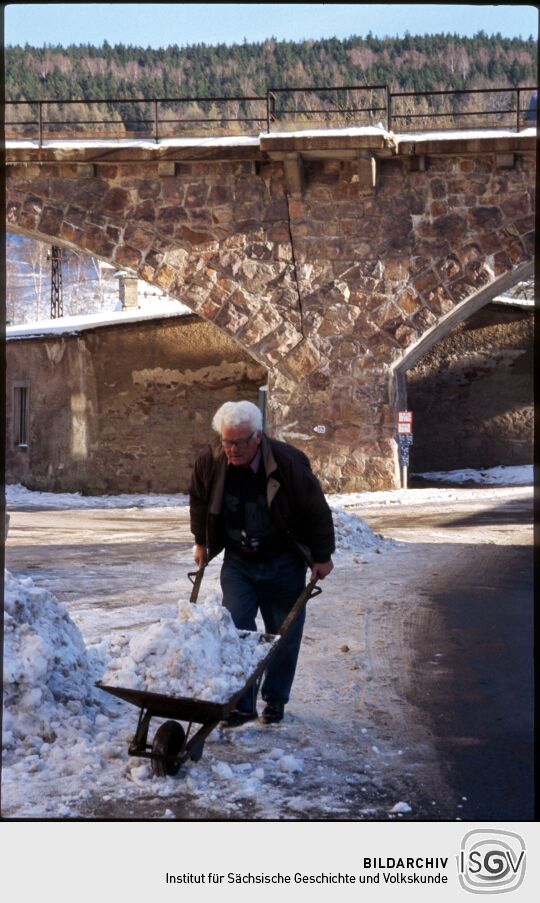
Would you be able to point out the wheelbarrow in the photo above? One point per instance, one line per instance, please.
(173, 744)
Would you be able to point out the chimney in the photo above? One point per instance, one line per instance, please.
(127, 290)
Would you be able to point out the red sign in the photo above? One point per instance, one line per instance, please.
(404, 422)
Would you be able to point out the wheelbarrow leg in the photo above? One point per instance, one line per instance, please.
(194, 748)
(139, 743)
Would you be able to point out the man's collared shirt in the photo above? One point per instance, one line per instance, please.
(256, 460)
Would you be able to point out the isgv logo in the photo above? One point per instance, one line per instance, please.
(491, 862)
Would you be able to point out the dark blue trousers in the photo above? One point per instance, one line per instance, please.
(273, 587)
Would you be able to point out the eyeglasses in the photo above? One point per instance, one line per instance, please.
(238, 443)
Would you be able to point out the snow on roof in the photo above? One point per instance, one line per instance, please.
(515, 302)
(79, 323)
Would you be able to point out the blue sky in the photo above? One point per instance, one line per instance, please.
(161, 24)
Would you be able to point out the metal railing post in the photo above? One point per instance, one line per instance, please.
(156, 125)
(270, 108)
(40, 123)
(388, 109)
(518, 110)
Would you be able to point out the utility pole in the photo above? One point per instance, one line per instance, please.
(57, 303)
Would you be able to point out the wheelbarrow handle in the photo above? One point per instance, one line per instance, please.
(307, 593)
(313, 589)
(195, 577)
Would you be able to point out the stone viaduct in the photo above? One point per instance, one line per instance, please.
(335, 259)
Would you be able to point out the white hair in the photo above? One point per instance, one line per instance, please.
(233, 413)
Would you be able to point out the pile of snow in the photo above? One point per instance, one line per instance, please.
(401, 808)
(200, 656)
(48, 675)
(353, 533)
(51, 719)
(63, 739)
(508, 476)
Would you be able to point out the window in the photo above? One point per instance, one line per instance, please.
(20, 414)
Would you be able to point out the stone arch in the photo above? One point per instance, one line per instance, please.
(459, 313)
(482, 408)
(328, 288)
(92, 392)
(212, 236)
(226, 323)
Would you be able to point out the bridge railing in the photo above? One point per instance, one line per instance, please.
(280, 109)
(349, 105)
(155, 119)
(494, 108)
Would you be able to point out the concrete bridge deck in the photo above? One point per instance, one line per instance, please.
(314, 143)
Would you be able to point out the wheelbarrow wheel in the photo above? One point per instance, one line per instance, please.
(168, 741)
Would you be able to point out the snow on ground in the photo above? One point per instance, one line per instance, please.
(352, 533)
(64, 739)
(18, 496)
(61, 732)
(493, 476)
(66, 742)
(496, 478)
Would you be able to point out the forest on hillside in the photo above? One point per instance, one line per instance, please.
(86, 76)
(410, 63)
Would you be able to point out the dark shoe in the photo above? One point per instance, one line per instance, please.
(237, 718)
(273, 712)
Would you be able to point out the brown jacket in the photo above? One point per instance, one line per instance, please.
(296, 501)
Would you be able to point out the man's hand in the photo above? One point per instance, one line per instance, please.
(200, 555)
(320, 570)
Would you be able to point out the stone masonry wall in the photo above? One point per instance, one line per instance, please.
(124, 408)
(327, 291)
(472, 394)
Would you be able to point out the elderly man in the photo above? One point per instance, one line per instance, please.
(259, 500)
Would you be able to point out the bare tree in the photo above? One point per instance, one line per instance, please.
(15, 305)
(88, 284)
(39, 270)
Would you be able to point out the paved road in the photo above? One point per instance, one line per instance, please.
(478, 695)
(481, 708)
